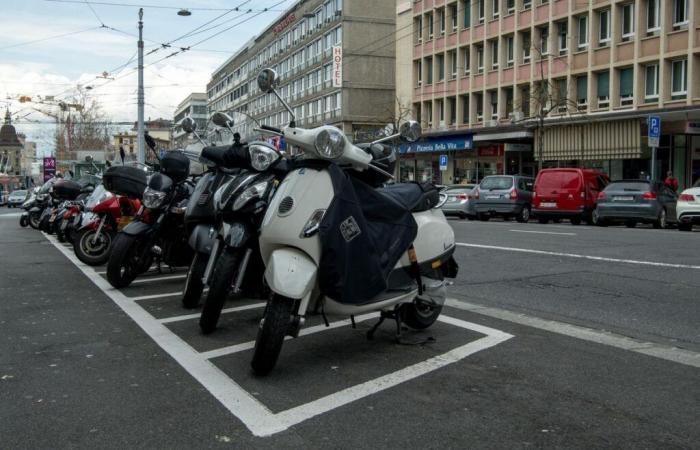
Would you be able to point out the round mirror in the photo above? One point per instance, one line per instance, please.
(267, 80)
(222, 119)
(410, 131)
(88, 158)
(188, 124)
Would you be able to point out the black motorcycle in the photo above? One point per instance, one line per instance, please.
(158, 231)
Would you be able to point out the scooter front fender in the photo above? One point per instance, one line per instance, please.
(201, 240)
(138, 228)
(291, 273)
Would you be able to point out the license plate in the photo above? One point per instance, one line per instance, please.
(623, 199)
(548, 204)
(493, 197)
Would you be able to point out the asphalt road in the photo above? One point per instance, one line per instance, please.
(577, 338)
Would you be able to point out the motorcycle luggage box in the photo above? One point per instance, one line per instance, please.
(175, 165)
(66, 190)
(125, 180)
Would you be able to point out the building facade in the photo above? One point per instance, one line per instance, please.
(195, 106)
(335, 60)
(541, 83)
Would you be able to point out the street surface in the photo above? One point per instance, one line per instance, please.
(556, 336)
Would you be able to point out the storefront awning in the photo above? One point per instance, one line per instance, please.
(591, 141)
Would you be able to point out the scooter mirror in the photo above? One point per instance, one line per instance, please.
(222, 119)
(188, 124)
(410, 131)
(267, 80)
(150, 141)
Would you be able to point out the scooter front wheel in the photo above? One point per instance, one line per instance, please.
(219, 288)
(193, 285)
(93, 249)
(23, 221)
(123, 264)
(273, 328)
(34, 221)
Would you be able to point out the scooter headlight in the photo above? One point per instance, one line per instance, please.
(330, 143)
(261, 156)
(255, 191)
(152, 198)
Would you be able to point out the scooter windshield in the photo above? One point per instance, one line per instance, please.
(97, 196)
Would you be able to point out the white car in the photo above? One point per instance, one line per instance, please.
(688, 208)
(16, 198)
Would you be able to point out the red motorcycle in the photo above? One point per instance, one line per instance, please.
(109, 214)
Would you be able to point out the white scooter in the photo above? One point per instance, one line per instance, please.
(291, 247)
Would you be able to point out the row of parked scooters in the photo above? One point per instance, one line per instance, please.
(325, 232)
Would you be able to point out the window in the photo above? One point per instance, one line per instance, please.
(452, 106)
(467, 8)
(480, 59)
(509, 103)
(563, 40)
(680, 13)
(603, 89)
(441, 111)
(582, 32)
(441, 67)
(604, 27)
(626, 87)
(419, 26)
(653, 16)
(429, 70)
(419, 72)
(582, 92)
(494, 105)
(679, 79)
(431, 25)
(465, 108)
(494, 55)
(526, 47)
(509, 51)
(453, 64)
(544, 41)
(627, 21)
(441, 18)
(496, 6)
(651, 82)
(479, 100)
(482, 11)
(562, 96)
(527, 4)
(467, 61)
(510, 4)
(453, 16)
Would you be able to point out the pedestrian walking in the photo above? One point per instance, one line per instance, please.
(671, 181)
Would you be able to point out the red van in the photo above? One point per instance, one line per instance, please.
(567, 194)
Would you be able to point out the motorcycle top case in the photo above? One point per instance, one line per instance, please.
(66, 190)
(175, 165)
(125, 180)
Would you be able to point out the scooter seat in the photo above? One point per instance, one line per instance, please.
(413, 197)
(215, 154)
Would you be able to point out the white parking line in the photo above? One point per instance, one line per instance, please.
(223, 311)
(149, 280)
(575, 255)
(543, 232)
(149, 297)
(666, 352)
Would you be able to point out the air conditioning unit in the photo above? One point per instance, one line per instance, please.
(517, 116)
(442, 125)
(492, 123)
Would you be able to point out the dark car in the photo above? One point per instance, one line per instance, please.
(505, 196)
(460, 201)
(634, 201)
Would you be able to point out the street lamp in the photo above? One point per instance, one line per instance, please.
(184, 12)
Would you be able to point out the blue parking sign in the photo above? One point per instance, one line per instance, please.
(654, 131)
(443, 162)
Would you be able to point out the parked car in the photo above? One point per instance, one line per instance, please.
(503, 195)
(567, 193)
(688, 208)
(460, 201)
(634, 201)
(16, 198)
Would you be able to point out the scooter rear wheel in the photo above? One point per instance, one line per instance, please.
(419, 317)
(194, 286)
(34, 221)
(273, 328)
(219, 289)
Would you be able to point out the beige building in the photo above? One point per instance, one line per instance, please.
(486, 74)
(336, 65)
(194, 106)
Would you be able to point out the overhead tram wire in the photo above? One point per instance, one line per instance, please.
(57, 36)
(137, 5)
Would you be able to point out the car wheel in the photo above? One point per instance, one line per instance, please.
(688, 226)
(524, 215)
(660, 222)
(595, 218)
(631, 223)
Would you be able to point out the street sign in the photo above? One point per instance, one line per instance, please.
(49, 168)
(654, 130)
(443, 162)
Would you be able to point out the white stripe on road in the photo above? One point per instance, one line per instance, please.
(169, 277)
(677, 355)
(575, 255)
(543, 232)
(223, 311)
(148, 297)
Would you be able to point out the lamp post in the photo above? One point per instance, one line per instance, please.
(141, 153)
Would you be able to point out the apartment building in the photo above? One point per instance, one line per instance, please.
(194, 106)
(335, 60)
(489, 75)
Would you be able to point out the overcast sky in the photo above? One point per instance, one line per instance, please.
(56, 64)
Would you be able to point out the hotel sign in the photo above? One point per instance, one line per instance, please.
(284, 23)
(337, 66)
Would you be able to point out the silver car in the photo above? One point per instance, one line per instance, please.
(504, 195)
(16, 198)
(460, 201)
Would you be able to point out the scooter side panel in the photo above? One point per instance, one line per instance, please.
(435, 236)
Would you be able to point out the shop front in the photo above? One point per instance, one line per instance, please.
(434, 159)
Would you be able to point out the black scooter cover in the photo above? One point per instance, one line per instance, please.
(363, 235)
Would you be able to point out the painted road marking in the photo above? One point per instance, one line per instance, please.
(675, 354)
(149, 280)
(223, 311)
(574, 255)
(148, 297)
(543, 232)
(257, 417)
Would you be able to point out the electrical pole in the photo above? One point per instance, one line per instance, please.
(141, 154)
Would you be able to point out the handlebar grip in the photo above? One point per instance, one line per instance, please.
(269, 128)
